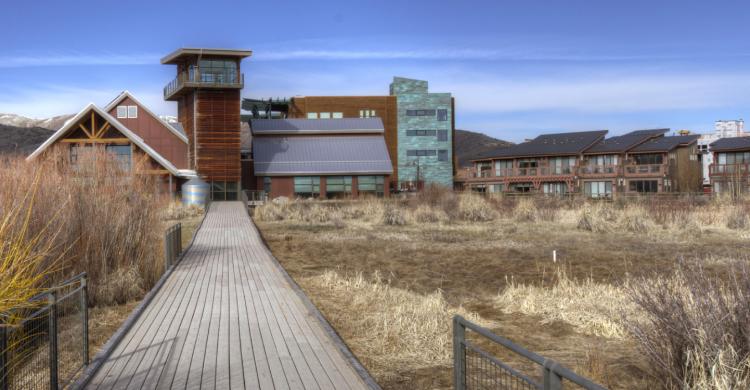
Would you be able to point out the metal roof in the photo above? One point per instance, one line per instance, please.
(285, 156)
(317, 126)
(177, 126)
(665, 144)
(548, 145)
(625, 142)
(196, 51)
(730, 144)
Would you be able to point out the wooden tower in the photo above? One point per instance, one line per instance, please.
(207, 91)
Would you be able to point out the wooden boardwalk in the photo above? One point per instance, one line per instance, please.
(227, 318)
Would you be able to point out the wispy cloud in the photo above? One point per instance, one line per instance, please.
(78, 59)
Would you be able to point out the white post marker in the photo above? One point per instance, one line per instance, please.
(554, 256)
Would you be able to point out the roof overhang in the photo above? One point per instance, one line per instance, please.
(138, 141)
(127, 94)
(179, 54)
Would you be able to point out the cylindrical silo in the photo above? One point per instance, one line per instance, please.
(195, 192)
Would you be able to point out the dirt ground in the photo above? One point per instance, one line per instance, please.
(471, 263)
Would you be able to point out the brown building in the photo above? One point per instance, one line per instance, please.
(321, 158)
(641, 161)
(142, 142)
(207, 92)
(730, 173)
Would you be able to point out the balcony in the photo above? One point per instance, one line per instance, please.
(599, 170)
(729, 170)
(522, 172)
(645, 170)
(223, 79)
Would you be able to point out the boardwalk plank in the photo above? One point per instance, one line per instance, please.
(227, 318)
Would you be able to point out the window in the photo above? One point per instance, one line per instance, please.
(367, 114)
(121, 153)
(504, 168)
(496, 188)
(442, 135)
(442, 155)
(307, 186)
(421, 133)
(122, 112)
(442, 114)
(420, 112)
(667, 185)
(337, 186)
(598, 189)
(338, 115)
(267, 185)
(325, 115)
(371, 184)
(527, 167)
(420, 153)
(557, 188)
(562, 165)
(734, 158)
(224, 190)
(218, 71)
(648, 159)
(312, 115)
(132, 111)
(643, 186)
(604, 159)
(521, 187)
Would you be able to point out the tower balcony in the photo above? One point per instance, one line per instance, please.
(196, 79)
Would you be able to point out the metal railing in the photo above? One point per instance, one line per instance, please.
(640, 169)
(475, 368)
(49, 345)
(255, 197)
(525, 171)
(608, 169)
(172, 245)
(729, 169)
(209, 79)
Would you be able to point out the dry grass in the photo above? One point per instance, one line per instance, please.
(500, 268)
(391, 328)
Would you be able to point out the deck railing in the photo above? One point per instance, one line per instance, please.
(172, 245)
(525, 171)
(49, 345)
(476, 368)
(729, 169)
(645, 169)
(211, 80)
(609, 169)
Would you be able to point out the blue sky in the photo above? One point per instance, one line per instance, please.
(516, 68)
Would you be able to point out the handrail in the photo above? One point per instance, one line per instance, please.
(554, 372)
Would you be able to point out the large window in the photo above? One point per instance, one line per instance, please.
(557, 188)
(561, 165)
(442, 114)
(421, 133)
(307, 186)
(421, 153)
(496, 188)
(598, 189)
(527, 167)
(267, 185)
(224, 190)
(338, 186)
(420, 112)
(734, 158)
(648, 159)
(442, 155)
(218, 71)
(521, 187)
(122, 154)
(442, 136)
(643, 186)
(371, 184)
(504, 168)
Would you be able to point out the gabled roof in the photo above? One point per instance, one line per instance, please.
(179, 132)
(623, 143)
(562, 144)
(665, 144)
(196, 51)
(731, 144)
(363, 154)
(114, 123)
(317, 126)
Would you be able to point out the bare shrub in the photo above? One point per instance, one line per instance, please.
(596, 217)
(394, 215)
(634, 219)
(525, 211)
(474, 208)
(695, 333)
(121, 286)
(177, 210)
(270, 212)
(738, 220)
(427, 214)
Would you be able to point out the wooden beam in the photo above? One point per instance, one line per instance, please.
(152, 171)
(84, 130)
(95, 140)
(102, 130)
(93, 124)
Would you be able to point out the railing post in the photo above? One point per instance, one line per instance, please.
(167, 249)
(552, 381)
(52, 300)
(3, 357)
(179, 238)
(459, 356)
(85, 318)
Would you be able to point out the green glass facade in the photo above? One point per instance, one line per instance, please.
(425, 131)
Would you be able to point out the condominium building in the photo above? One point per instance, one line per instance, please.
(637, 162)
(722, 129)
(731, 169)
